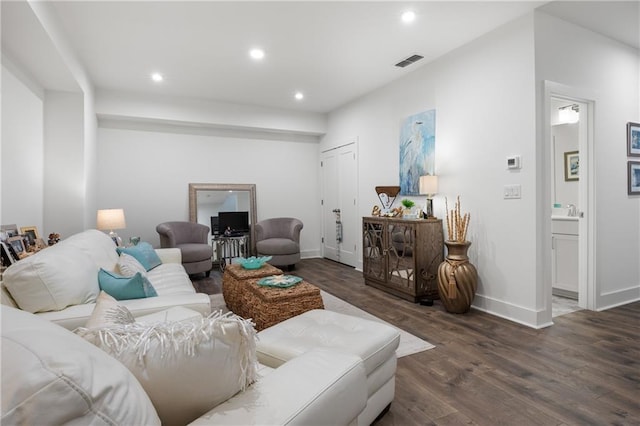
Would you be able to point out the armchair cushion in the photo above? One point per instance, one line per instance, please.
(186, 367)
(144, 253)
(277, 246)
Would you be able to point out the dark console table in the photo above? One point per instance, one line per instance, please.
(401, 256)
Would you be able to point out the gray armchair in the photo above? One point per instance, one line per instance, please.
(191, 239)
(280, 239)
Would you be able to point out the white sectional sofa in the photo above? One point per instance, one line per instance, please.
(52, 376)
(60, 283)
(175, 366)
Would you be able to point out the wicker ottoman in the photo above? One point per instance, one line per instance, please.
(234, 279)
(270, 305)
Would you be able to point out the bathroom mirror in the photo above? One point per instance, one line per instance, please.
(207, 200)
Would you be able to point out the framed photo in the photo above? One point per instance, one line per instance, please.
(633, 178)
(571, 165)
(633, 139)
(17, 243)
(9, 231)
(7, 257)
(31, 232)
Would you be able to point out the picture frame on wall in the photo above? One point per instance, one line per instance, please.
(571, 165)
(633, 139)
(633, 178)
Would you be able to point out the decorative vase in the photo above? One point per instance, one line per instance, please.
(457, 278)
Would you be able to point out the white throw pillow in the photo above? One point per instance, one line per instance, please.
(186, 367)
(109, 312)
(51, 376)
(52, 279)
(129, 266)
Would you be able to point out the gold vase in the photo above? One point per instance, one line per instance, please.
(457, 278)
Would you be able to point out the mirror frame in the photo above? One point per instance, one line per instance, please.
(251, 188)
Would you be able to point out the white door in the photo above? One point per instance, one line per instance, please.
(341, 229)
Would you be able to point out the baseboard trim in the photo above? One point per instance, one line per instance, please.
(618, 298)
(509, 311)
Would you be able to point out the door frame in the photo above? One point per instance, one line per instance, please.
(587, 285)
(355, 225)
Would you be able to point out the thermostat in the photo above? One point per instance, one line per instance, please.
(513, 162)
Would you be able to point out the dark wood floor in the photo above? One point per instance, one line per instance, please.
(584, 370)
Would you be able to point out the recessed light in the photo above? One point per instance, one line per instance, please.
(408, 16)
(157, 77)
(299, 96)
(256, 54)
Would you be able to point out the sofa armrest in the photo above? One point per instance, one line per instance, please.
(169, 255)
(319, 387)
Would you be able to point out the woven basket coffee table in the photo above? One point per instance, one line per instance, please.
(235, 277)
(270, 305)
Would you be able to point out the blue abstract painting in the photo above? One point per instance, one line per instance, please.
(417, 150)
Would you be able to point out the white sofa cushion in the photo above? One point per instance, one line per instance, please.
(186, 367)
(98, 245)
(372, 341)
(51, 280)
(51, 376)
(170, 279)
(319, 387)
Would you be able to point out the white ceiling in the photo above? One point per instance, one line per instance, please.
(334, 52)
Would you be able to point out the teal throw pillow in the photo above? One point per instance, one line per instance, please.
(144, 253)
(124, 288)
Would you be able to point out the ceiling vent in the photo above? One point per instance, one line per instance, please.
(410, 60)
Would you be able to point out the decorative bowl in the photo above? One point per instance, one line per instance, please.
(253, 262)
(280, 281)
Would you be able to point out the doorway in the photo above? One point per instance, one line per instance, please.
(569, 130)
(340, 230)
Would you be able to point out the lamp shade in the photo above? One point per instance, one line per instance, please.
(428, 185)
(110, 219)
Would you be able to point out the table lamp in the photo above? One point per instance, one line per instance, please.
(110, 219)
(429, 187)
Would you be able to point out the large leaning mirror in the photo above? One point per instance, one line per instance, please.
(224, 207)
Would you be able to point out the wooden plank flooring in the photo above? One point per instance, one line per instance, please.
(583, 370)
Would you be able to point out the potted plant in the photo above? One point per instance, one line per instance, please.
(457, 278)
(408, 205)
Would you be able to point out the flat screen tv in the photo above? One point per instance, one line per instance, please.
(233, 223)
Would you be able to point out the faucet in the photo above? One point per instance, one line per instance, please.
(572, 210)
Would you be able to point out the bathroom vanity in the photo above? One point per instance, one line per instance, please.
(564, 261)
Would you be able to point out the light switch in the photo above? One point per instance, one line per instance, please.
(512, 192)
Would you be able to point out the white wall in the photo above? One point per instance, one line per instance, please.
(578, 58)
(64, 169)
(147, 173)
(484, 97)
(22, 154)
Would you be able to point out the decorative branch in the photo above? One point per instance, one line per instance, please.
(457, 223)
